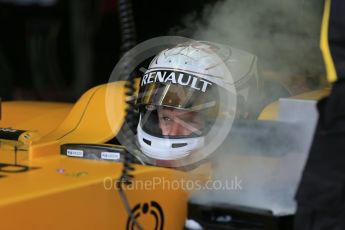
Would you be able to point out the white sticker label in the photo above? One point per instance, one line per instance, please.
(75, 153)
(110, 156)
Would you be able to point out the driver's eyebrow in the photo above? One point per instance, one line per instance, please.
(182, 115)
(199, 107)
(203, 106)
(186, 116)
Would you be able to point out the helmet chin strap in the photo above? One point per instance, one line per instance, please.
(167, 149)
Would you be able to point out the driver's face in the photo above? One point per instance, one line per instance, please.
(175, 122)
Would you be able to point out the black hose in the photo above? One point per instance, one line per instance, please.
(127, 26)
(128, 41)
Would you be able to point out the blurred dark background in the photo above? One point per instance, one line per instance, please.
(54, 50)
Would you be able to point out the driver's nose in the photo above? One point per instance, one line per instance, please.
(177, 129)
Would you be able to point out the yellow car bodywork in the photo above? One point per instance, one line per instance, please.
(42, 189)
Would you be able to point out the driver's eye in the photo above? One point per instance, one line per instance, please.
(166, 118)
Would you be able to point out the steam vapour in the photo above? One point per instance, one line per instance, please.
(284, 35)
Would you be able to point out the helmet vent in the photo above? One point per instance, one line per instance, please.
(147, 141)
(178, 145)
